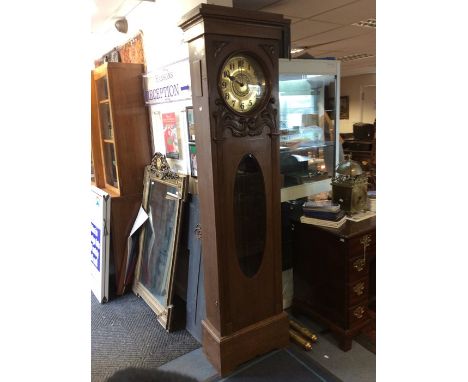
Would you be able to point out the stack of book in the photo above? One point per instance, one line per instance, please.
(323, 213)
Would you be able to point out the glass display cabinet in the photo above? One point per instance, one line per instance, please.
(308, 98)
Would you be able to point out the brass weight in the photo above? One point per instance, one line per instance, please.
(298, 339)
(303, 330)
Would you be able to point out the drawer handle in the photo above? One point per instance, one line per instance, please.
(365, 241)
(358, 312)
(359, 288)
(359, 264)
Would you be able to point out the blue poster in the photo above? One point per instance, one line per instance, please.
(100, 217)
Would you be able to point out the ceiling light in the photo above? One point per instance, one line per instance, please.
(352, 57)
(369, 23)
(296, 50)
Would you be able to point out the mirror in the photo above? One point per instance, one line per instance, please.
(164, 195)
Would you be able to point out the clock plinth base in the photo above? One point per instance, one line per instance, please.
(227, 352)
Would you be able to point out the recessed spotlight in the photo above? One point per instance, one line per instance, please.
(369, 23)
(296, 50)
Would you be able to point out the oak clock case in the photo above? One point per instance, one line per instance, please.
(238, 179)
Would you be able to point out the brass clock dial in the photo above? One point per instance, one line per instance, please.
(242, 83)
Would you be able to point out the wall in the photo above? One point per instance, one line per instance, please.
(352, 87)
(162, 38)
(163, 44)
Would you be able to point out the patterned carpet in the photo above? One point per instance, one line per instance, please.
(125, 332)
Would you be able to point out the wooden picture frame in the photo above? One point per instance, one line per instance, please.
(344, 107)
(164, 196)
(193, 160)
(190, 123)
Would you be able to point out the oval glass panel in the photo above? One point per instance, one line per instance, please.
(249, 215)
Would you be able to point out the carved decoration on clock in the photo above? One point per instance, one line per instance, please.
(242, 126)
(219, 45)
(270, 50)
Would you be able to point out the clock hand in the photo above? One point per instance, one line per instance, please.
(232, 78)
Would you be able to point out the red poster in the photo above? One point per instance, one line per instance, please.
(169, 121)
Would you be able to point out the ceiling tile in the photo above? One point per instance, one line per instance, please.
(335, 35)
(304, 9)
(358, 11)
(325, 53)
(305, 28)
(353, 68)
(293, 19)
(340, 49)
(253, 5)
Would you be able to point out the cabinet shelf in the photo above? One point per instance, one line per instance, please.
(108, 141)
(104, 101)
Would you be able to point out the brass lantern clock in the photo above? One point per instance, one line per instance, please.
(349, 186)
(233, 56)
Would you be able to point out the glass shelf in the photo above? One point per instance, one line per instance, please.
(307, 140)
(101, 87)
(107, 131)
(110, 165)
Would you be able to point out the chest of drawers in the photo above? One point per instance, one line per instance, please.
(333, 273)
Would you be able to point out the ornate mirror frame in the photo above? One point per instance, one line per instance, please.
(158, 173)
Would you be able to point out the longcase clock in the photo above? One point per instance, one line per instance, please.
(234, 72)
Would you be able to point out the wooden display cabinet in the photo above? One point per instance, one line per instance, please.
(334, 276)
(121, 148)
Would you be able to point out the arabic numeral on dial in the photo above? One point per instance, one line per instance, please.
(226, 96)
(233, 103)
(242, 105)
(223, 84)
(250, 103)
(226, 73)
(232, 66)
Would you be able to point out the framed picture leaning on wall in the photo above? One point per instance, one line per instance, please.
(193, 160)
(344, 107)
(190, 124)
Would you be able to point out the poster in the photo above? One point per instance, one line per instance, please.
(132, 246)
(171, 140)
(193, 160)
(100, 224)
(190, 124)
(170, 83)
